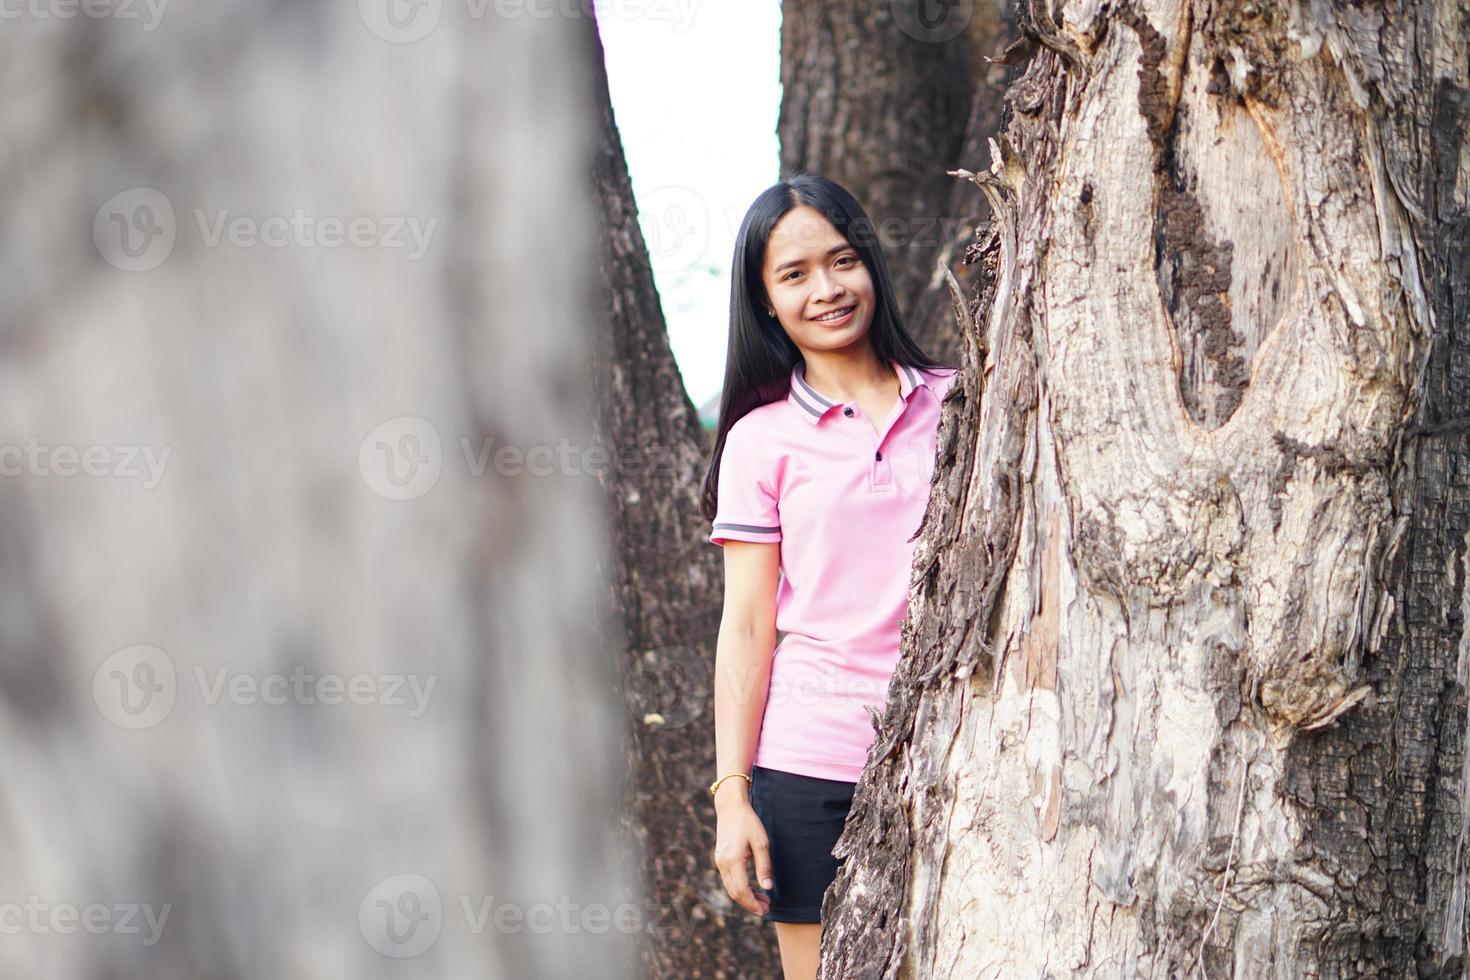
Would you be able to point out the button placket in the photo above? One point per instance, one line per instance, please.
(880, 470)
(881, 467)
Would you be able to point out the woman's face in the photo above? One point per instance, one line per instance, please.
(810, 272)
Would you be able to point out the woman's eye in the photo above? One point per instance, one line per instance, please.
(845, 258)
(788, 276)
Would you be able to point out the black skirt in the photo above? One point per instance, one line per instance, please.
(803, 817)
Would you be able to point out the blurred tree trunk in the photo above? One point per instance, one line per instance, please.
(444, 772)
(885, 98)
(668, 581)
(992, 31)
(1184, 680)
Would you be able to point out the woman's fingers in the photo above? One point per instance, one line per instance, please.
(736, 878)
(762, 851)
(738, 885)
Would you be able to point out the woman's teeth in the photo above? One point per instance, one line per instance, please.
(836, 314)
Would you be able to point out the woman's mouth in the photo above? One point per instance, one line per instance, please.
(836, 317)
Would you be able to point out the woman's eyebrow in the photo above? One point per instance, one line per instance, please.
(831, 251)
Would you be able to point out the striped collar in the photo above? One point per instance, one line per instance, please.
(814, 406)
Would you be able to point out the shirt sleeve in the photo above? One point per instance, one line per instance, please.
(747, 506)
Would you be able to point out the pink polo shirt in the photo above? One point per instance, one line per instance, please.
(843, 498)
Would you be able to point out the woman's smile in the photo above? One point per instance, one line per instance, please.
(837, 317)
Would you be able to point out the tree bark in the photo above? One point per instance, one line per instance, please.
(668, 582)
(1183, 685)
(317, 408)
(884, 98)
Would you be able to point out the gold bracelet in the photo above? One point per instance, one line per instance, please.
(716, 784)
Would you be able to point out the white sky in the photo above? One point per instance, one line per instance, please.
(696, 87)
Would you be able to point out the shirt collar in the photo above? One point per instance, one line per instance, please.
(813, 406)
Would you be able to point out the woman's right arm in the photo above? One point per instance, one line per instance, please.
(743, 653)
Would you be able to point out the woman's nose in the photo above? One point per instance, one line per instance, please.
(827, 286)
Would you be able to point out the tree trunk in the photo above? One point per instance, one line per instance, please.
(317, 409)
(1183, 685)
(668, 582)
(885, 99)
(992, 32)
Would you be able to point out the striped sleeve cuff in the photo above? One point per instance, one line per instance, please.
(726, 531)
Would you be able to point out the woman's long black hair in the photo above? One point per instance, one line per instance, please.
(761, 357)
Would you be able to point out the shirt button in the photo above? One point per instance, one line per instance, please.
(847, 412)
(879, 456)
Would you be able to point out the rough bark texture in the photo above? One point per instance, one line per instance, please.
(884, 98)
(1183, 685)
(290, 528)
(669, 583)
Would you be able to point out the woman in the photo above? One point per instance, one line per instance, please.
(817, 484)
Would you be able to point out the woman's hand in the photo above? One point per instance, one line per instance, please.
(739, 835)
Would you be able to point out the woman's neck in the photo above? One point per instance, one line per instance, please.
(846, 377)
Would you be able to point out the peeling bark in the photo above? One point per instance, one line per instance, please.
(1183, 679)
(667, 584)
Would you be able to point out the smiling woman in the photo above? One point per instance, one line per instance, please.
(824, 389)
